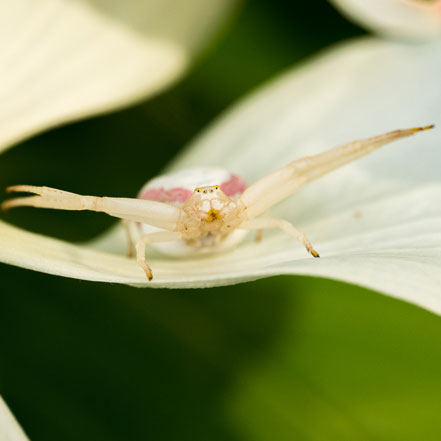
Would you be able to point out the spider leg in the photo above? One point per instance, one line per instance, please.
(259, 235)
(161, 236)
(154, 213)
(130, 242)
(281, 183)
(285, 226)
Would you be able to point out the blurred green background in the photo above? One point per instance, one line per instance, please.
(286, 358)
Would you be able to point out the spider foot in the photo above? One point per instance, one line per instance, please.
(314, 253)
(148, 272)
(311, 250)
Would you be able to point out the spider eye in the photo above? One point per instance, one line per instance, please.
(216, 187)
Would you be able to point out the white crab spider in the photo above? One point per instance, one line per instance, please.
(207, 218)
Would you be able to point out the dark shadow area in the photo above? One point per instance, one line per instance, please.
(96, 362)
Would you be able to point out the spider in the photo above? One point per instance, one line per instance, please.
(212, 216)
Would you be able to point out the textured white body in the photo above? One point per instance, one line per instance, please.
(190, 179)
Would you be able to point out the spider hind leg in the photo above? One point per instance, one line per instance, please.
(285, 226)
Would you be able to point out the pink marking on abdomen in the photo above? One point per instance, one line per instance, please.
(235, 185)
(177, 194)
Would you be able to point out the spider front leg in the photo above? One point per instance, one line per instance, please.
(154, 213)
(161, 236)
(280, 184)
(158, 214)
(285, 226)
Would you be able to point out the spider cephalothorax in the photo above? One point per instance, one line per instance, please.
(210, 211)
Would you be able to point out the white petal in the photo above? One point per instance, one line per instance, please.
(361, 89)
(419, 19)
(9, 428)
(63, 60)
(356, 90)
(375, 222)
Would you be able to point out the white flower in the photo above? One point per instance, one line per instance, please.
(416, 19)
(376, 222)
(63, 60)
(9, 428)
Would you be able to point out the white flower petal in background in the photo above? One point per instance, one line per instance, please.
(376, 222)
(418, 19)
(62, 60)
(10, 430)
